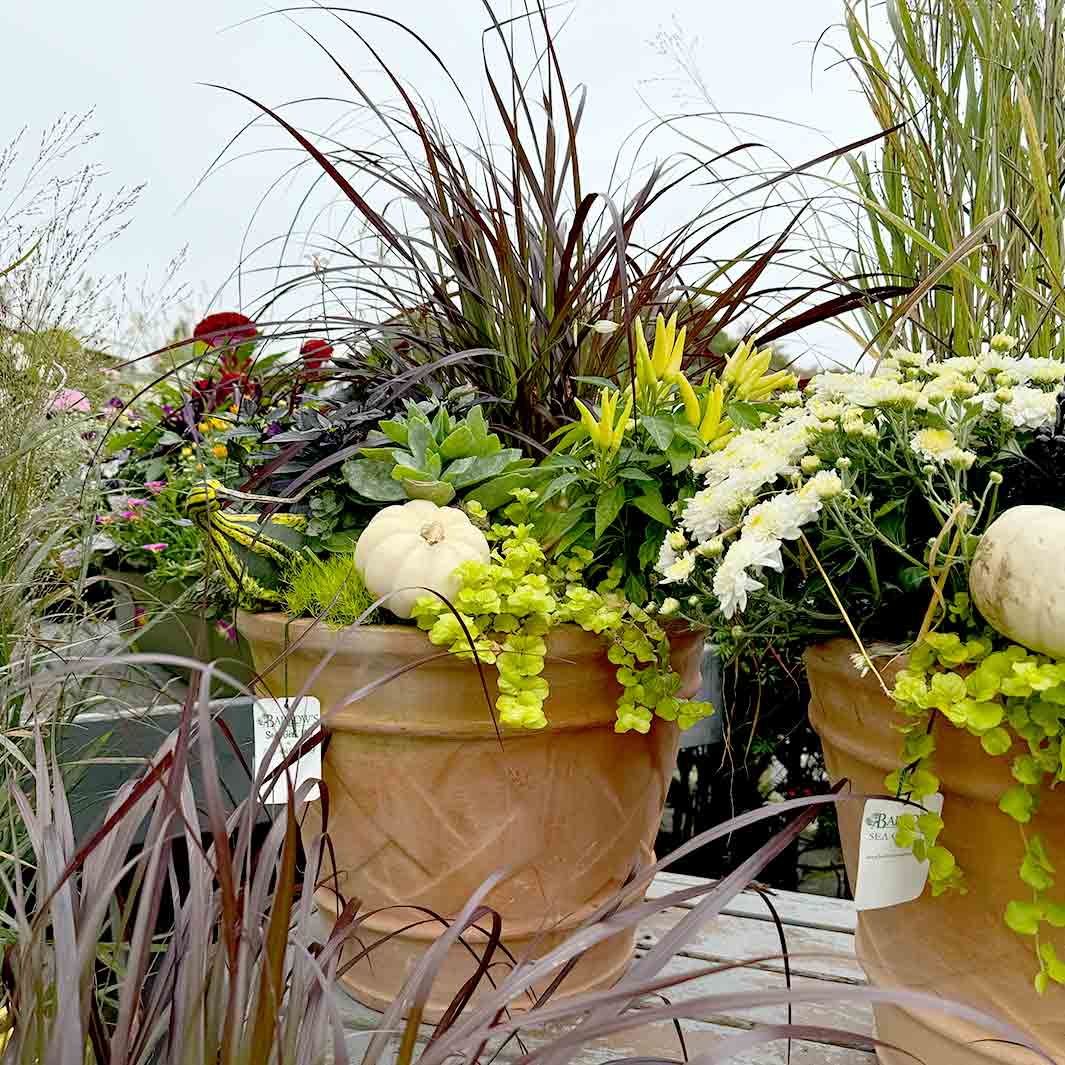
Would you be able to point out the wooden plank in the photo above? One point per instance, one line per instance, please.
(658, 1039)
(802, 911)
(814, 952)
(815, 926)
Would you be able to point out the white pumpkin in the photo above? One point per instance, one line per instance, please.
(417, 545)
(1017, 578)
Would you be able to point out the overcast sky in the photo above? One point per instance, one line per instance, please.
(141, 65)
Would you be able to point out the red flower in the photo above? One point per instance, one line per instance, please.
(316, 353)
(226, 329)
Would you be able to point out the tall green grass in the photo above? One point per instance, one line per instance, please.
(973, 92)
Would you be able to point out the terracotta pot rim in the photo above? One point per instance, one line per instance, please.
(563, 640)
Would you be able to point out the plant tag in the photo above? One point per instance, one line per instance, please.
(270, 716)
(888, 875)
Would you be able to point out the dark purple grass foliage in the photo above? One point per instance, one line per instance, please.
(125, 955)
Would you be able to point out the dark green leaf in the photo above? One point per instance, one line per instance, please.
(912, 577)
(680, 456)
(635, 589)
(690, 434)
(497, 492)
(559, 484)
(553, 527)
(599, 382)
(744, 415)
(633, 473)
(660, 430)
(575, 535)
(607, 509)
(651, 504)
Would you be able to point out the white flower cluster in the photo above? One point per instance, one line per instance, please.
(766, 486)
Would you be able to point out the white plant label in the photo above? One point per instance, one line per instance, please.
(296, 716)
(888, 875)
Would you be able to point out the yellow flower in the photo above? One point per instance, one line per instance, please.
(186, 451)
(219, 451)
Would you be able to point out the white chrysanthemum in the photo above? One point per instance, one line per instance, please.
(680, 569)
(825, 484)
(864, 391)
(713, 509)
(782, 516)
(1029, 408)
(666, 556)
(933, 444)
(732, 582)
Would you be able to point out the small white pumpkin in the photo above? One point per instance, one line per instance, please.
(1017, 578)
(417, 545)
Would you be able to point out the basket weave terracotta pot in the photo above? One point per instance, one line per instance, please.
(957, 945)
(425, 803)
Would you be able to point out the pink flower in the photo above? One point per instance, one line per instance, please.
(140, 616)
(225, 629)
(134, 503)
(105, 519)
(156, 548)
(70, 399)
(129, 515)
(155, 487)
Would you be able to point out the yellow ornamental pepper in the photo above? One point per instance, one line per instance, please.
(677, 355)
(691, 401)
(736, 362)
(710, 425)
(780, 381)
(589, 423)
(665, 340)
(645, 371)
(618, 433)
(755, 367)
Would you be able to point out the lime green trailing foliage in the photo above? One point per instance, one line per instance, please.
(329, 589)
(435, 459)
(509, 605)
(1014, 700)
(252, 554)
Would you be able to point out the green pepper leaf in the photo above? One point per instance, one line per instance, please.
(651, 504)
(607, 508)
(660, 430)
(743, 415)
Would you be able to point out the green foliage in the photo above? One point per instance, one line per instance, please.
(977, 681)
(330, 589)
(415, 457)
(508, 606)
(974, 93)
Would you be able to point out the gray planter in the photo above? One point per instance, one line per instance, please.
(710, 730)
(106, 748)
(176, 632)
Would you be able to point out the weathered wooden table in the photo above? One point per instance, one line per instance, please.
(812, 924)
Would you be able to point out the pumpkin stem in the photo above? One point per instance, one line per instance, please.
(433, 532)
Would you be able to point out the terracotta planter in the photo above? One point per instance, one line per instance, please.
(957, 945)
(425, 804)
(180, 632)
